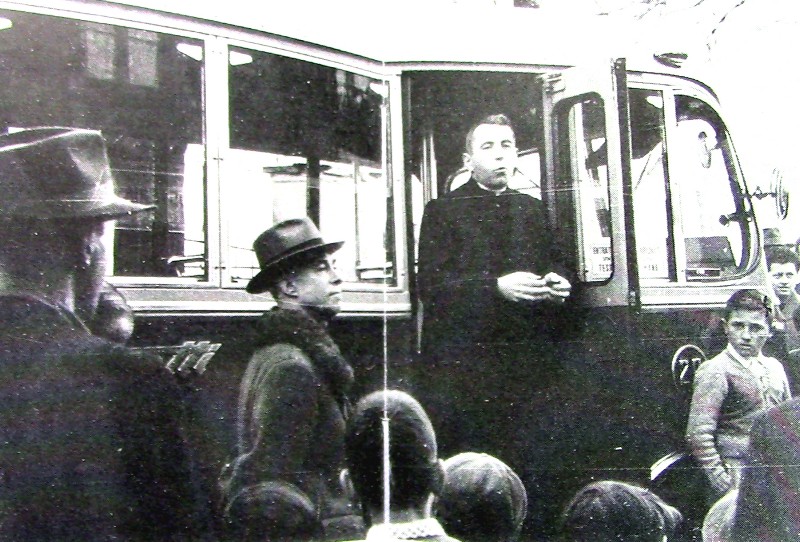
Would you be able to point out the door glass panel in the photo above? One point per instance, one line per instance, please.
(143, 90)
(716, 219)
(649, 181)
(307, 139)
(582, 174)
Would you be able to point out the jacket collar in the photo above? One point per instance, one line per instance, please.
(300, 329)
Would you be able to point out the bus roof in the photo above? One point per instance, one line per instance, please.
(409, 33)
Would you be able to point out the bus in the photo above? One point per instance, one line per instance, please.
(228, 119)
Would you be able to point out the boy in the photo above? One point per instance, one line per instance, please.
(731, 389)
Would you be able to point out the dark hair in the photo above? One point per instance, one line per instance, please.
(482, 499)
(749, 300)
(782, 255)
(498, 119)
(617, 511)
(272, 511)
(415, 472)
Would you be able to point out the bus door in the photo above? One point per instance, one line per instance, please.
(614, 352)
(585, 141)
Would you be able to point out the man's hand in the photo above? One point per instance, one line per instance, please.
(530, 287)
(523, 286)
(560, 288)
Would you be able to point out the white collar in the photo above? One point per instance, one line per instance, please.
(412, 530)
(746, 362)
(495, 192)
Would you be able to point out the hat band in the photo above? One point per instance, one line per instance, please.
(296, 249)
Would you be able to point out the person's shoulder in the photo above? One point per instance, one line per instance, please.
(523, 199)
(773, 363)
(780, 422)
(131, 364)
(720, 363)
(284, 357)
(787, 411)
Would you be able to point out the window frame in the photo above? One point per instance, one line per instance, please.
(677, 290)
(166, 296)
(391, 159)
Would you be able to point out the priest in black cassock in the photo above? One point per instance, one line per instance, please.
(493, 294)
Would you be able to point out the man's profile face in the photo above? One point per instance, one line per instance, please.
(318, 286)
(493, 155)
(747, 331)
(783, 277)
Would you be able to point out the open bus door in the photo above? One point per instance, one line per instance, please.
(586, 141)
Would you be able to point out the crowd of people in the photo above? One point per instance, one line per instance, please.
(92, 446)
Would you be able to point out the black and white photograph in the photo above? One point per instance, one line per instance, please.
(440, 270)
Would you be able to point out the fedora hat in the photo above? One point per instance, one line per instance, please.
(48, 173)
(282, 242)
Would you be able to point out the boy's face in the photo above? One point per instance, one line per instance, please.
(784, 278)
(747, 331)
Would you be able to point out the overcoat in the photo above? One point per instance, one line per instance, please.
(292, 411)
(90, 440)
(769, 494)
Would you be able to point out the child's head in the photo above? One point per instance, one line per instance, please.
(611, 511)
(415, 471)
(482, 499)
(748, 317)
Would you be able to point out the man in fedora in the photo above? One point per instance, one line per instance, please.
(90, 442)
(293, 400)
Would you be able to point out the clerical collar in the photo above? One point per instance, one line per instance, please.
(495, 192)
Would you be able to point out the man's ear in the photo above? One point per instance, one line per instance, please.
(467, 159)
(86, 254)
(287, 286)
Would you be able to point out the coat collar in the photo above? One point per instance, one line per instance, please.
(298, 328)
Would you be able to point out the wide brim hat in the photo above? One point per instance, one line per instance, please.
(278, 246)
(58, 173)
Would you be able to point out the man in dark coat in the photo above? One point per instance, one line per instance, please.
(493, 295)
(293, 400)
(90, 443)
(768, 504)
(487, 269)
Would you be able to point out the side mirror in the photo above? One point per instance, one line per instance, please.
(778, 190)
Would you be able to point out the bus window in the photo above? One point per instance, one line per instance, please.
(143, 90)
(582, 176)
(306, 139)
(715, 219)
(649, 181)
